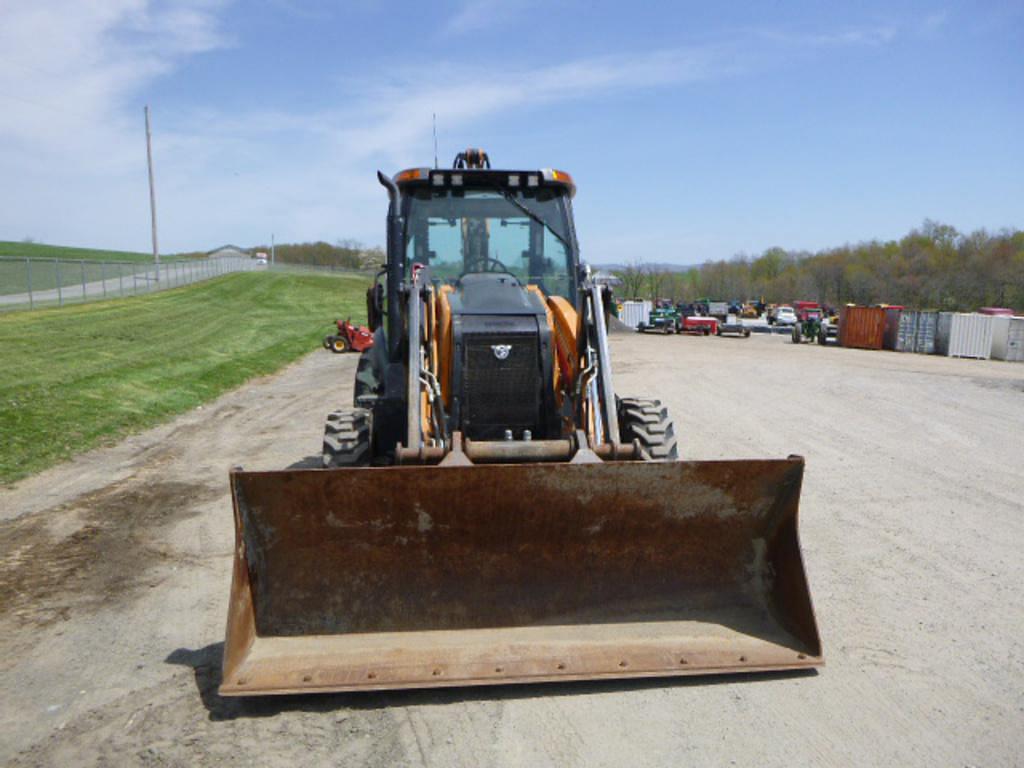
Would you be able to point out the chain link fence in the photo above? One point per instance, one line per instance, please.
(28, 283)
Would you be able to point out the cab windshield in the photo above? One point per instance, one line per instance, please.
(523, 232)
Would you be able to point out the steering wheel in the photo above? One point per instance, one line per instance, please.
(490, 262)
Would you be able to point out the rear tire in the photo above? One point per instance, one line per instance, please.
(648, 421)
(796, 335)
(347, 438)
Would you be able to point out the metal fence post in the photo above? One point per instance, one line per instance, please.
(60, 289)
(103, 277)
(82, 264)
(28, 279)
(120, 278)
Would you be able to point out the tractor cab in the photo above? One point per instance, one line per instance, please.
(472, 219)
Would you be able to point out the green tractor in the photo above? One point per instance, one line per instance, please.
(808, 324)
(664, 318)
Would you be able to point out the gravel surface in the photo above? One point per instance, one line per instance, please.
(114, 573)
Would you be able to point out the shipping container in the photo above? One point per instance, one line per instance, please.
(1008, 338)
(862, 327)
(635, 313)
(892, 327)
(942, 333)
(970, 335)
(917, 332)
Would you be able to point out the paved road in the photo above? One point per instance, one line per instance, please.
(114, 574)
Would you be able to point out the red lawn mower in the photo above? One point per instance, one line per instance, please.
(350, 338)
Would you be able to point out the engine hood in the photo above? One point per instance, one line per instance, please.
(493, 293)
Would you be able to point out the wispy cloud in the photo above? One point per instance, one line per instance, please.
(393, 115)
(934, 21)
(71, 66)
(874, 35)
(477, 15)
(74, 140)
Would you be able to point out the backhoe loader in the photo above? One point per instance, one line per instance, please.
(491, 510)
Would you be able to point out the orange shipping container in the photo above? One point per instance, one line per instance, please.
(862, 327)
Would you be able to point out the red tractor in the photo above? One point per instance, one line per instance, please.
(350, 338)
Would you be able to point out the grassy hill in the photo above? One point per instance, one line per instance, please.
(43, 251)
(127, 364)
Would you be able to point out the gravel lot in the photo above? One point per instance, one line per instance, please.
(114, 573)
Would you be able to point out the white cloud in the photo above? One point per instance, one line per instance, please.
(74, 146)
(71, 66)
(478, 15)
(933, 21)
(71, 74)
(868, 35)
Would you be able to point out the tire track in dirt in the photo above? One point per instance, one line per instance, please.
(93, 551)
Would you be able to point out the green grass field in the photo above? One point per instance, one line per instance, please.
(78, 377)
(43, 251)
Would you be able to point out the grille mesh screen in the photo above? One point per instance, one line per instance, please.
(501, 394)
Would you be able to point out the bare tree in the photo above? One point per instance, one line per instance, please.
(657, 280)
(633, 278)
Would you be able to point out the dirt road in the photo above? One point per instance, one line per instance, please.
(114, 574)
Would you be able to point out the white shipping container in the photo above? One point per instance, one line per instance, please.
(635, 313)
(970, 335)
(1008, 338)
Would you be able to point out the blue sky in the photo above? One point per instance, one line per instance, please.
(694, 131)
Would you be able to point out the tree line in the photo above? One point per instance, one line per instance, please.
(932, 267)
(344, 254)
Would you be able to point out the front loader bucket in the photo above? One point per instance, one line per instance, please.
(418, 576)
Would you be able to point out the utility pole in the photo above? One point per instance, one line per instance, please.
(271, 249)
(434, 115)
(152, 195)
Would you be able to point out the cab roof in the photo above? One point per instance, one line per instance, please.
(484, 177)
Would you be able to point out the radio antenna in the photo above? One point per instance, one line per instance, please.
(435, 139)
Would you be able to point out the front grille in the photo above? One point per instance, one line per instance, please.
(501, 394)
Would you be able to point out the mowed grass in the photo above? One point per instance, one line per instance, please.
(78, 377)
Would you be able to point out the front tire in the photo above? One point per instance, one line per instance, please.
(796, 335)
(647, 421)
(347, 438)
(339, 345)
